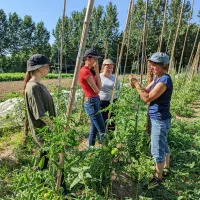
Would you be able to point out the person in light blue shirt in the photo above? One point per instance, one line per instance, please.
(158, 95)
(108, 80)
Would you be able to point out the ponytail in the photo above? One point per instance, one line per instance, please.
(27, 77)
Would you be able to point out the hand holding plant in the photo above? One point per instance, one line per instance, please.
(133, 81)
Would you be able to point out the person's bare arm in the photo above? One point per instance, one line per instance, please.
(92, 84)
(149, 87)
(157, 91)
(145, 90)
(98, 79)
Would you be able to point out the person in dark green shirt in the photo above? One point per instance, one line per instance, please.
(39, 103)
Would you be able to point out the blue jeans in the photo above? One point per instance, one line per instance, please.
(92, 108)
(159, 139)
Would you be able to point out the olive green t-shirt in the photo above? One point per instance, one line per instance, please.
(38, 102)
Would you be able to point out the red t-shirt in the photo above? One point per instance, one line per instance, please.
(87, 90)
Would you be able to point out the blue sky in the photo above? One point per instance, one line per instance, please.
(49, 10)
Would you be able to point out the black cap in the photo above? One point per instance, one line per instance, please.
(92, 53)
(37, 61)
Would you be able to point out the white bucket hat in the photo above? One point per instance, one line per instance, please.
(108, 62)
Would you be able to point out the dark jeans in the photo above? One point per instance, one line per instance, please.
(105, 104)
(92, 108)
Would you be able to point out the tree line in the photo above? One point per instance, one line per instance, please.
(20, 38)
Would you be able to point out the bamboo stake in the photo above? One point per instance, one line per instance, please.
(117, 54)
(137, 54)
(129, 35)
(195, 63)
(197, 60)
(188, 26)
(143, 43)
(119, 60)
(81, 110)
(170, 33)
(61, 161)
(80, 56)
(191, 56)
(75, 78)
(175, 40)
(148, 124)
(26, 117)
(61, 46)
(163, 27)
(190, 60)
(149, 80)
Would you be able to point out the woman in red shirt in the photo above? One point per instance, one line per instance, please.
(90, 82)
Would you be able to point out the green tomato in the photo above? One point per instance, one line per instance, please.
(114, 151)
(46, 195)
(106, 149)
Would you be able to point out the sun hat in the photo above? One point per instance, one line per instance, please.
(92, 53)
(37, 61)
(159, 57)
(108, 62)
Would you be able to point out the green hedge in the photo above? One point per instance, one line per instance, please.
(20, 76)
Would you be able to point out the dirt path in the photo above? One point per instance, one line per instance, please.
(196, 108)
(17, 86)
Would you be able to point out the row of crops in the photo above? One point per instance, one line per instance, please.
(122, 167)
(20, 76)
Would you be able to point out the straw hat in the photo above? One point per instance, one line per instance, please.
(108, 62)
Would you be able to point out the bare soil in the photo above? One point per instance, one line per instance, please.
(17, 86)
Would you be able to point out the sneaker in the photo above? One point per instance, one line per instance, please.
(156, 181)
(153, 182)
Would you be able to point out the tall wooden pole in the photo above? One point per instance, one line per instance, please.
(117, 54)
(167, 46)
(149, 80)
(186, 34)
(61, 46)
(163, 27)
(119, 59)
(195, 42)
(129, 35)
(80, 56)
(75, 78)
(189, 67)
(195, 63)
(26, 117)
(143, 43)
(175, 40)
